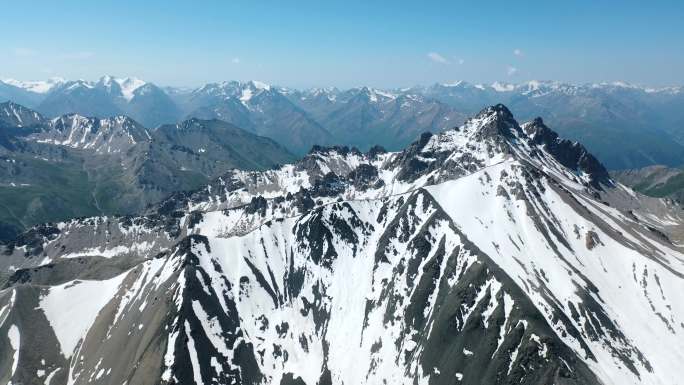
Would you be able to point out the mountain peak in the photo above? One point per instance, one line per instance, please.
(115, 134)
(503, 87)
(496, 120)
(259, 85)
(498, 109)
(325, 150)
(17, 115)
(454, 84)
(570, 154)
(472, 253)
(124, 86)
(39, 87)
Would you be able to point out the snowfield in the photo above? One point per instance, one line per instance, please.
(494, 253)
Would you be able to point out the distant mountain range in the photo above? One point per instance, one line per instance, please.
(626, 126)
(71, 165)
(494, 253)
(657, 181)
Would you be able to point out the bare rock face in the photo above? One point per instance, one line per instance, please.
(592, 239)
(570, 154)
(488, 254)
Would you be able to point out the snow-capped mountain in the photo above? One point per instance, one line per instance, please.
(16, 115)
(98, 135)
(37, 86)
(492, 253)
(9, 92)
(123, 87)
(110, 135)
(72, 165)
(646, 120)
(257, 107)
(106, 97)
(366, 116)
(111, 96)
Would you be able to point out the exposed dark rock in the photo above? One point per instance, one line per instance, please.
(592, 239)
(363, 176)
(570, 154)
(376, 150)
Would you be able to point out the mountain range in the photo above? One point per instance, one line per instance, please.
(647, 122)
(490, 253)
(658, 181)
(72, 165)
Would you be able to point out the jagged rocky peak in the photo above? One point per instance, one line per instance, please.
(16, 115)
(323, 152)
(337, 160)
(538, 132)
(493, 136)
(103, 135)
(489, 130)
(190, 124)
(342, 150)
(481, 141)
(471, 257)
(497, 120)
(113, 125)
(570, 154)
(376, 150)
(433, 158)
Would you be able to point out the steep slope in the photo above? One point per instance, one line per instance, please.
(657, 181)
(647, 122)
(151, 106)
(107, 135)
(260, 108)
(488, 254)
(36, 86)
(643, 120)
(16, 115)
(80, 97)
(16, 121)
(365, 116)
(111, 96)
(11, 91)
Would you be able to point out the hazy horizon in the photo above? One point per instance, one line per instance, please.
(295, 87)
(345, 44)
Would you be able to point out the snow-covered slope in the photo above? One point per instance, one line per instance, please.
(36, 86)
(646, 121)
(489, 254)
(257, 107)
(110, 135)
(125, 87)
(15, 115)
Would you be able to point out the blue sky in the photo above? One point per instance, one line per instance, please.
(345, 43)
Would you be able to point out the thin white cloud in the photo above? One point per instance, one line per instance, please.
(437, 58)
(511, 70)
(457, 60)
(518, 52)
(80, 55)
(22, 51)
(236, 60)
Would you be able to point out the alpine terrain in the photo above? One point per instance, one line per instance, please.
(657, 181)
(646, 121)
(490, 253)
(73, 165)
